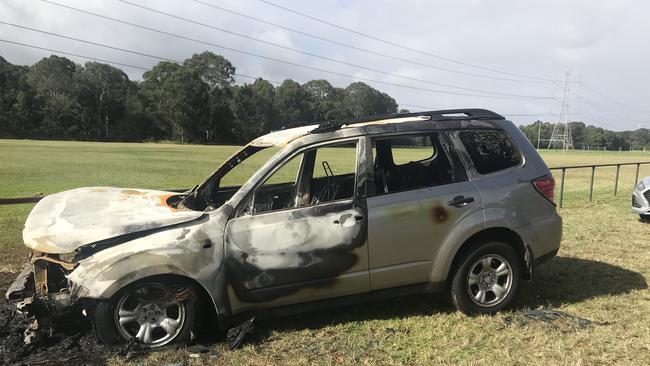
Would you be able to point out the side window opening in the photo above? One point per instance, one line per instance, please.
(490, 150)
(315, 176)
(410, 162)
(278, 191)
(334, 173)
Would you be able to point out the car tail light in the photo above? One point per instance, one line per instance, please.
(545, 186)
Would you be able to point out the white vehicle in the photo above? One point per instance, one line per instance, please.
(641, 199)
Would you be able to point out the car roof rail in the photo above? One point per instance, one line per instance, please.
(442, 115)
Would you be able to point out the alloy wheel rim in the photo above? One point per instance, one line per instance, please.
(489, 280)
(150, 314)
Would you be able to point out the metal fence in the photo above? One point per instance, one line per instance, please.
(563, 169)
(593, 167)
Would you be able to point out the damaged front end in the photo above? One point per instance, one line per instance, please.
(43, 292)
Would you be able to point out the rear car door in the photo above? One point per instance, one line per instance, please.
(421, 191)
(301, 234)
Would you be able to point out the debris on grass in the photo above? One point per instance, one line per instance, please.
(74, 344)
(557, 319)
(236, 334)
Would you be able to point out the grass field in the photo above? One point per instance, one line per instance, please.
(601, 272)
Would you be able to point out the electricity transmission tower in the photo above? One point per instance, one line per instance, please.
(561, 136)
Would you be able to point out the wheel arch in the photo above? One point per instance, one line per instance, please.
(502, 234)
(208, 309)
(167, 275)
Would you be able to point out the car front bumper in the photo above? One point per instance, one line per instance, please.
(640, 203)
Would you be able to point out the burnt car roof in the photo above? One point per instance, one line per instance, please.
(451, 118)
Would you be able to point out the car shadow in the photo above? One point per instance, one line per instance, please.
(562, 280)
(568, 280)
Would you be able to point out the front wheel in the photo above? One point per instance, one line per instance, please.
(487, 279)
(151, 313)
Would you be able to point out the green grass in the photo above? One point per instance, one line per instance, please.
(601, 272)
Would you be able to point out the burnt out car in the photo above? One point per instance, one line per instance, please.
(326, 214)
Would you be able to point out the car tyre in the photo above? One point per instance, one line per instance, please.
(645, 218)
(146, 312)
(486, 279)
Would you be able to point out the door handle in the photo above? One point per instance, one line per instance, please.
(460, 201)
(345, 217)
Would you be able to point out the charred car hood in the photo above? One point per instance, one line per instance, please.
(62, 222)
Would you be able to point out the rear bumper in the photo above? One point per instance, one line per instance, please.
(543, 237)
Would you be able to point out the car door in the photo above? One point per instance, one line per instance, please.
(301, 233)
(421, 192)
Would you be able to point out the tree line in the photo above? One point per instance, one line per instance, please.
(589, 137)
(195, 102)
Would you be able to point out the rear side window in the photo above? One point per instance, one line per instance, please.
(403, 163)
(490, 151)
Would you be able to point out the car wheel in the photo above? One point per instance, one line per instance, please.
(486, 279)
(148, 312)
(645, 218)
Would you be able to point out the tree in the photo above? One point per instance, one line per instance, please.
(217, 73)
(293, 105)
(52, 79)
(327, 101)
(363, 100)
(185, 105)
(253, 110)
(135, 124)
(102, 92)
(17, 102)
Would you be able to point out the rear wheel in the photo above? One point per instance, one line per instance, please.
(151, 313)
(645, 218)
(487, 279)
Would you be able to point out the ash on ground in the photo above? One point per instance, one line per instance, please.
(556, 319)
(75, 344)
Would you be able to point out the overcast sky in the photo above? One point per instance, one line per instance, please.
(605, 45)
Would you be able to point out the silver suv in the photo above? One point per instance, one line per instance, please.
(335, 213)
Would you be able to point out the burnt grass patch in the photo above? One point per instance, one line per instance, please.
(71, 341)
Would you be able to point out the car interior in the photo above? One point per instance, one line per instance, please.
(317, 181)
(392, 177)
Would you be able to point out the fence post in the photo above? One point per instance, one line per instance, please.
(618, 169)
(562, 187)
(636, 179)
(591, 185)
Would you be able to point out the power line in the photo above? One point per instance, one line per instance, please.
(88, 42)
(437, 91)
(86, 57)
(595, 91)
(597, 106)
(361, 49)
(108, 61)
(503, 114)
(316, 55)
(596, 120)
(76, 55)
(180, 62)
(401, 45)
